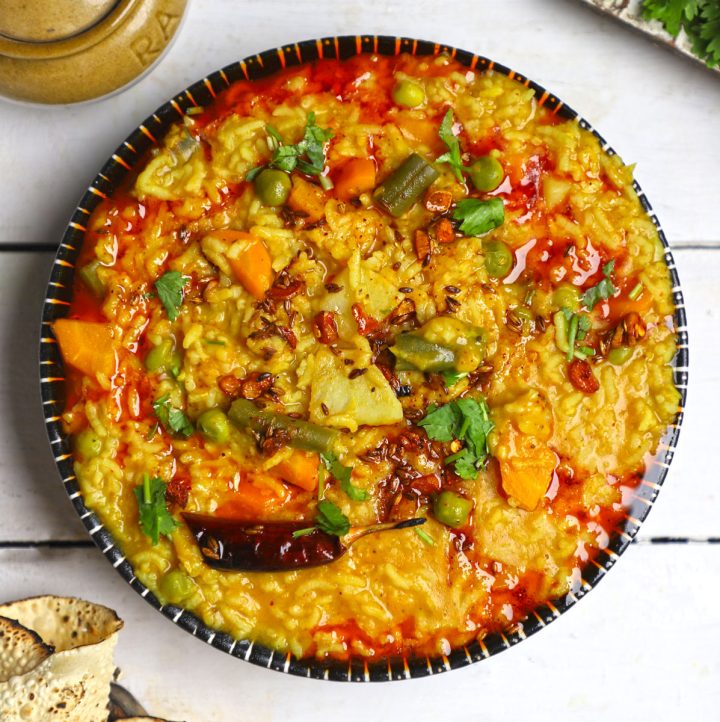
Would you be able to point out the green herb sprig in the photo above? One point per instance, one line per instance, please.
(700, 19)
(170, 292)
(155, 519)
(308, 155)
(172, 418)
(342, 474)
(329, 519)
(479, 216)
(467, 420)
(453, 157)
(603, 290)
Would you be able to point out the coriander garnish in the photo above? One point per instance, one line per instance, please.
(170, 291)
(467, 420)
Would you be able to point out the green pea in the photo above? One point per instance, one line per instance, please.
(89, 276)
(176, 586)
(525, 316)
(620, 355)
(88, 444)
(452, 509)
(486, 173)
(498, 258)
(273, 187)
(164, 357)
(408, 93)
(566, 296)
(214, 425)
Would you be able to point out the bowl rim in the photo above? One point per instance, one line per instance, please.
(59, 292)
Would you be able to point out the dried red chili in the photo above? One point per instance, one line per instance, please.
(366, 324)
(582, 377)
(325, 327)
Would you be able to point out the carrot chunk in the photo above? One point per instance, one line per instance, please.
(420, 130)
(527, 473)
(308, 199)
(252, 500)
(300, 469)
(87, 346)
(356, 176)
(252, 267)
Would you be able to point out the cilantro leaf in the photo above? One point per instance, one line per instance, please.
(170, 291)
(342, 474)
(603, 290)
(308, 155)
(172, 419)
(467, 420)
(479, 216)
(285, 158)
(453, 157)
(441, 423)
(331, 520)
(476, 426)
(155, 519)
(313, 147)
(464, 462)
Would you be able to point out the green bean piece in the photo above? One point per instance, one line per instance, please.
(566, 296)
(486, 173)
(404, 186)
(423, 355)
(88, 444)
(273, 187)
(408, 93)
(164, 357)
(176, 586)
(498, 258)
(302, 434)
(214, 425)
(89, 276)
(561, 331)
(620, 355)
(452, 509)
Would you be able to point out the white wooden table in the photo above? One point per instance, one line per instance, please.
(646, 643)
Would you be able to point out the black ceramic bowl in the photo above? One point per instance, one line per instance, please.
(59, 291)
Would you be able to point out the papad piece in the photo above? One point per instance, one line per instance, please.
(21, 649)
(72, 684)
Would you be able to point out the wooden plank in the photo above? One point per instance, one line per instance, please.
(34, 507)
(656, 110)
(642, 645)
